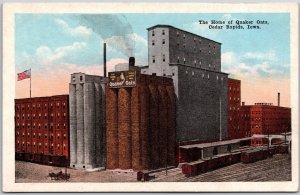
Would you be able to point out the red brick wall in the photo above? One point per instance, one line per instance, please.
(145, 138)
(234, 104)
(35, 114)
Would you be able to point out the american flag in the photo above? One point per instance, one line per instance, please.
(24, 75)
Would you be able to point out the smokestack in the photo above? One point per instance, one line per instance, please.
(278, 99)
(131, 61)
(243, 103)
(104, 59)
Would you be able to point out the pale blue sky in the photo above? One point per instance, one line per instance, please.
(58, 45)
(41, 36)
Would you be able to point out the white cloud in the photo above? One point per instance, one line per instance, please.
(75, 32)
(269, 55)
(238, 65)
(48, 56)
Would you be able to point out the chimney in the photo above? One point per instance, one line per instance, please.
(243, 103)
(131, 61)
(104, 59)
(278, 99)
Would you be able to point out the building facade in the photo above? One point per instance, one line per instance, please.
(140, 124)
(194, 64)
(42, 129)
(234, 128)
(265, 119)
(87, 121)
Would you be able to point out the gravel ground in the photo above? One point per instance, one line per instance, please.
(277, 168)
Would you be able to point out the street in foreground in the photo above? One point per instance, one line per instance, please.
(277, 168)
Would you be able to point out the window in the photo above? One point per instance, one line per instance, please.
(183, 36)
(178, 60)
(58, 126)
(183, 60)
(163, 32)
(177, 34)
(153, 42)
(80, 78)
(163, 41)
(153, 59)
(153, 33)
(164, 58)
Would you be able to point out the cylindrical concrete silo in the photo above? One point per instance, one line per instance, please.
(162, 134)
(144, 126)
(135, 126)
(80, 124)
(154, 126)
(98, 130)
(171, 125)
(112, 142)
(124, 128)
(73, 125)
(89, 123)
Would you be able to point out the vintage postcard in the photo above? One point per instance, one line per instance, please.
(144, 97)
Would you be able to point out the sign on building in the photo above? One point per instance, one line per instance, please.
(122, 79)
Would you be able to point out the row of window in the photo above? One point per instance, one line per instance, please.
(234, 98)
(40, 115)
(39, 135)
(40, 145)
(205, 76)
(39, 126)
(183, 36)
(39, 106)
(233, 108)
(163, 32)
(233, 89)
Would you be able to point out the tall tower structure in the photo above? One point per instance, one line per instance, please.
(87, 121)
(194, 64)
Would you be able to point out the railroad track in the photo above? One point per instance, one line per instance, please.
(277, 168)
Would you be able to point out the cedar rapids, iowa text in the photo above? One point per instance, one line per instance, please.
(234, 24)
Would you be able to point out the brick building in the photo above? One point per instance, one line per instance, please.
(265, 118)
(42, 129)
(234, 127)
(140, 124)
(194, 64)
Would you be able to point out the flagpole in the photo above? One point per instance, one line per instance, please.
(30, 82)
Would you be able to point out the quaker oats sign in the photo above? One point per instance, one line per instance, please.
(122, 79)
(210, 97)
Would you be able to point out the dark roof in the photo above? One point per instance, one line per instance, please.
(169, 26)
(144, 66)
(189, 66)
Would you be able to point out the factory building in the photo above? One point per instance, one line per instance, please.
(266, 119)
(234, 127)
(42, 130)
(140, 121)
(87, 121)
(194, 64)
